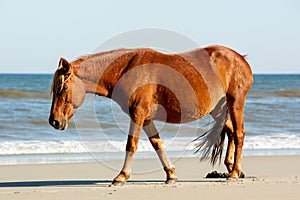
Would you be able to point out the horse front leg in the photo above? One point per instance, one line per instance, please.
(156, 142)
(131, 148)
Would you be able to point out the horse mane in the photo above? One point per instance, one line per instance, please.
(96, 63)
(59, 80)
(79, 60)
(107, 52)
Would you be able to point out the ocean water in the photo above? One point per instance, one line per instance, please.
(98, 131)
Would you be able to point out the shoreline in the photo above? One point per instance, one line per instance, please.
(267, 177)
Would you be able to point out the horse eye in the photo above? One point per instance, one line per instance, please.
(65, 88)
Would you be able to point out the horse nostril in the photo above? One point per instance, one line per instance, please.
(56, 123)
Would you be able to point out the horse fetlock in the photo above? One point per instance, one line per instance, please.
(171, 175)
(121, 178)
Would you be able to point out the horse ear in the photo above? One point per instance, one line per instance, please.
(65, 66)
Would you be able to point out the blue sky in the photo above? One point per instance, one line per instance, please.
(35, 34)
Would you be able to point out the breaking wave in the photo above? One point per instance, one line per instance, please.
(180, 144)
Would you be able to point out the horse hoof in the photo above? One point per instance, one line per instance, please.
(171, 181)
(234, 178)
(121, 179)
(117, 183)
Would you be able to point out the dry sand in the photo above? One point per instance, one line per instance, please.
(271, 177)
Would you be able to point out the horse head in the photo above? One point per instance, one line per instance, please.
(68, 94)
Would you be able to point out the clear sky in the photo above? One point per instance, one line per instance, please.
(34, 34)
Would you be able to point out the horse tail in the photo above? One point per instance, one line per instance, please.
(211, 143)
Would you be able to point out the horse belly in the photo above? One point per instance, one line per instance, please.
(177, 109)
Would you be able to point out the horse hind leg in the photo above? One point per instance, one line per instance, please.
(230, 153)
(236, 109)
(229, 158)
(156, 142)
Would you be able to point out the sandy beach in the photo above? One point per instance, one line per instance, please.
(270, 177)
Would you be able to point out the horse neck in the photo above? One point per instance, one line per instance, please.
(101, 72)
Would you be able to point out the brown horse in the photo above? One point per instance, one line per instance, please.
(175, 88)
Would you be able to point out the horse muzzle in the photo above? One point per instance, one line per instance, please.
(59, 124)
